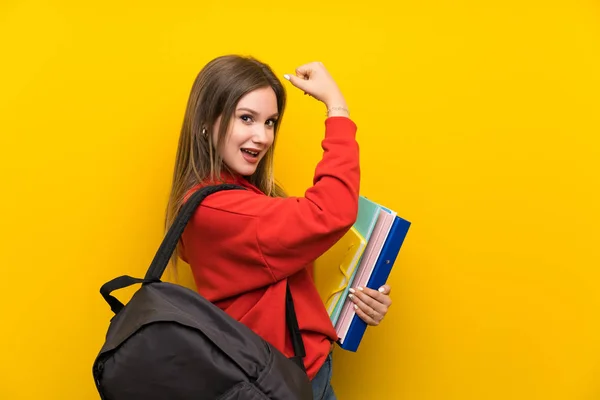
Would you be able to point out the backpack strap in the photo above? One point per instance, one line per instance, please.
(165, 251)
(119, 282)
(169, 243)
(292, 324)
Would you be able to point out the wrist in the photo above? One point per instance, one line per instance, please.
(338, 111)
(336, 106)
(336, 101)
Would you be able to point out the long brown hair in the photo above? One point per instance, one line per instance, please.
(215, 93)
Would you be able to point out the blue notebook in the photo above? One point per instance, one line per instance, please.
(380, 274)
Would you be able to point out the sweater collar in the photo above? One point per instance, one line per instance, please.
(231, 178)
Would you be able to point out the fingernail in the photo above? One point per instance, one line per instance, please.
(360, 288)
(351, 290)
(355, 307)
(351, 295)
(286, 76)
(381, 289)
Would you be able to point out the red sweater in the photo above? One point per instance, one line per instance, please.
(242, 245)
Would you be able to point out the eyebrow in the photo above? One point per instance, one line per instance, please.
(251, 111)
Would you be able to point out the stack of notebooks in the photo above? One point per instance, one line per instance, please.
(363, 257)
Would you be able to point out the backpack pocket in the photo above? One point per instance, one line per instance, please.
(243, 391)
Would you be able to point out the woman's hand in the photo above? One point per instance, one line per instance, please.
(371, 305)
(315, 80)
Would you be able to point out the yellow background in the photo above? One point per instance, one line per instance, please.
(478, 122)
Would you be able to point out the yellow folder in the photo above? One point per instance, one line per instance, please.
(334, 269)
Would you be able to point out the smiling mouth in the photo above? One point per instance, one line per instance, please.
(250, 152)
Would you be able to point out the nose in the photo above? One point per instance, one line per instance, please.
(261, 134)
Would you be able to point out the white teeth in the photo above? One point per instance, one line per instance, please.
(250, 152)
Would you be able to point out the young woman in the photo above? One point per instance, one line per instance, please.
(244, 245)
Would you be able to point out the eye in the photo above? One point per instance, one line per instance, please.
(271, 122)
(246, 118)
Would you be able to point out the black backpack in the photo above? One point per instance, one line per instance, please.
(171, 343)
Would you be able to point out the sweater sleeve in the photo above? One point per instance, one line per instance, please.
(277, 237)
(293, 232)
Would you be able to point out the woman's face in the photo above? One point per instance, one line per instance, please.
(251, 131)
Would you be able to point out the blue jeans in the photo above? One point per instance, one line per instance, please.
(321, 383)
